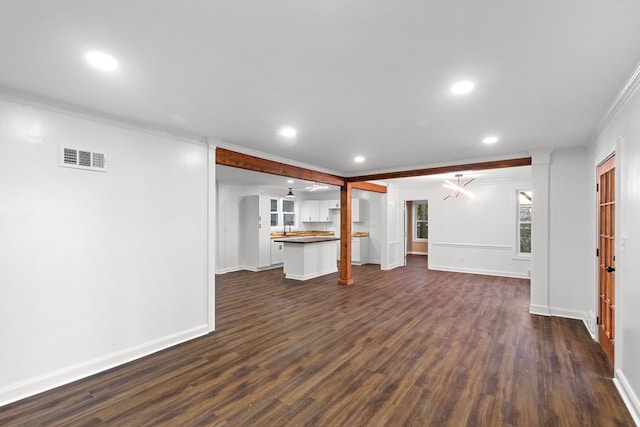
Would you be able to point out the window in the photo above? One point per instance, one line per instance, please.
(420, 220)
(282, 212)
(288, 212)
(524, 222)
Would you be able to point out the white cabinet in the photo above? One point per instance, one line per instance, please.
(310, 210)
(257, 231)
(359, 250)
(277, 252)
(316, 210)
(357, 210)
(324, 214)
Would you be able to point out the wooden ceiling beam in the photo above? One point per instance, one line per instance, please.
(368, 186)
(496, 164)
(244, 161)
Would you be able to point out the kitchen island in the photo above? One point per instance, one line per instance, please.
(308, 257)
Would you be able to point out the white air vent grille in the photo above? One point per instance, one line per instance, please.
(81, 159)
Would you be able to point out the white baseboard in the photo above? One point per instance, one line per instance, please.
(39, 384)
(256, 269)
(310, 276)
(228, 270)
(479, 271)
(541, 310)
(628, 396)
(390, 266)
(568, 313)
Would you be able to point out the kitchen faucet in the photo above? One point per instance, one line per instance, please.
(289, 223)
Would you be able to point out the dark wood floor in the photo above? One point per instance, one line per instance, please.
(407, 347)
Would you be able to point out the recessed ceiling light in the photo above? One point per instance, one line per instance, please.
(102, 61)
(288, 132)
(358, 159)
(490, 140)
(462, 87)
(290, 181)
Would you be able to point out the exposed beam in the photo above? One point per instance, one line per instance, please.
(234, 159)
(245, 161)
(346, 277)
(496, 164)
(368, 186)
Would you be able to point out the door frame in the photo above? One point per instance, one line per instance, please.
(614, 150)
(606, 256)
(404, 233)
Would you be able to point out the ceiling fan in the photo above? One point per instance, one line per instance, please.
(458, 187)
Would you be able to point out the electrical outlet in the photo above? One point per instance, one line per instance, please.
(461, 259)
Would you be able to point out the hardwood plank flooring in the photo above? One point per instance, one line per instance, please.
(406, 347)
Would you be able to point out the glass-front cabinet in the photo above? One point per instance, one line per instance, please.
(274, 213)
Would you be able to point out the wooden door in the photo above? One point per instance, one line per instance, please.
(606, 255)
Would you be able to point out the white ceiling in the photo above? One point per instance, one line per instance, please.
(352, 76)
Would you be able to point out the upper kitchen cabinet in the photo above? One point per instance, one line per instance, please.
(316, 210)
(309, 210)
(320, 210)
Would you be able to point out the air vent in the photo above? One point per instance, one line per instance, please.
(82, 159)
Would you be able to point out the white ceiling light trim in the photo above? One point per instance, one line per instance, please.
(358, 159)
(462, 87)
(101, 60)
(288, 132)
(490, 140)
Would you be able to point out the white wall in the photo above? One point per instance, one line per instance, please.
(95, 268)
(568, 249)
(622, 136)
(474, 235)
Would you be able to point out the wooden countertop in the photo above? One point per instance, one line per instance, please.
(316, 239)
(360, 234)
(301, 233)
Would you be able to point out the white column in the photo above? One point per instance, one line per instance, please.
(392, 232)
(211, 230)
(540, 161)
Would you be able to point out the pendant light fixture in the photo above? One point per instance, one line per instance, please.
(290, 193)
(458, 187)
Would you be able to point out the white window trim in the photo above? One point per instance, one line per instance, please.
(415, 222)
(517, 254)
(281, 212)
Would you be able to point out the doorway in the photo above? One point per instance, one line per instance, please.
(606, 256)
(416, 231)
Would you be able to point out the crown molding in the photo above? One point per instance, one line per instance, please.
(628, 90)
(53, 105)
